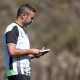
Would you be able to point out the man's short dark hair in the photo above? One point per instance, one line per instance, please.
(25, 8)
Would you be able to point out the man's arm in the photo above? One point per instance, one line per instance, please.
(13, 51)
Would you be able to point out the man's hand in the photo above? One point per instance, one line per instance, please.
(41, 52)
(36, 52)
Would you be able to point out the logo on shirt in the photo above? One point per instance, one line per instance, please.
(21, 34)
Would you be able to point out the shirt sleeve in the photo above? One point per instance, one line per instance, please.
(12, 36)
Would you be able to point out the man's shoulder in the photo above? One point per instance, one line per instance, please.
(10, 27)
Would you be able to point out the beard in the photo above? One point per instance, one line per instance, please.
(28, 23)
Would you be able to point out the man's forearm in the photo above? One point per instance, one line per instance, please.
(13, 51)
(17, 52)
(22, 52)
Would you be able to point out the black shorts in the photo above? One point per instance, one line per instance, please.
(19, 77)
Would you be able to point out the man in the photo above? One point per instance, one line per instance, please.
(17, 47)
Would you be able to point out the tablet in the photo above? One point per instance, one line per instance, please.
(45, 50)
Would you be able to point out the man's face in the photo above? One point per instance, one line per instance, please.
(28, 19)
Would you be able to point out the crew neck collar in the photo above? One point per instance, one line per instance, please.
(18, 24)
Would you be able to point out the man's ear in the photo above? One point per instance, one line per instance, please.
(23, 15)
